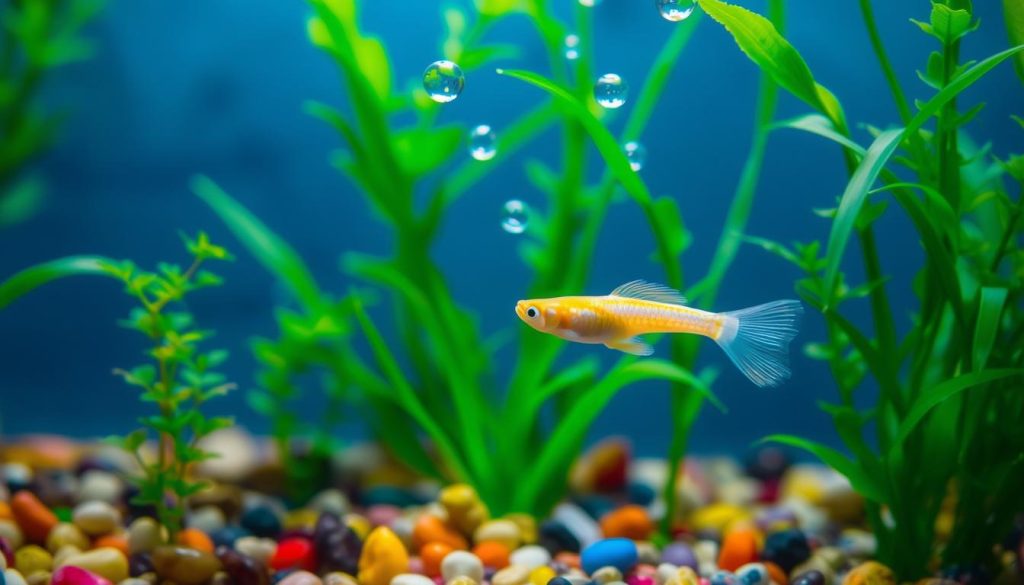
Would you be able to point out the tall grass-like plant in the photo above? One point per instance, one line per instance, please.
(949, 411)
(475, 436)
(36, 37)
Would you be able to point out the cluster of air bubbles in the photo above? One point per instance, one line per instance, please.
(572, 47)
(482, 143)
(443, 81)
(611, 91)
(675, 10)
(589, 3)
(514, 216)
(636, 154)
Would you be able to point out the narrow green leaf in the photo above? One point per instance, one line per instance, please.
(1014, 12)
(878, 155)
(822, 126)
(990, 308)
(935, 395)
(267, 247)
(862, 482)
(31, 278)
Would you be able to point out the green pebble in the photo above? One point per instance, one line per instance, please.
(63, 513)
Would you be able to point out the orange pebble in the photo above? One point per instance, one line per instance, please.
(34, 518)
(571, 560)
(5, 511)
(197, 539)
(118, 541)
(494, 554)
(775, 572)
(627, 522)
(431, 555)
(430, 528)
(738, 548)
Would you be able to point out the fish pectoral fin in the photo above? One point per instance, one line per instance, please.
(631, 345)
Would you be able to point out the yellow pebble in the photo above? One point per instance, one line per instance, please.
(870, 573)
(805, 483)
(541, 575)
(504, 531)
(465, 510)
(358, 524)
(717, 517)
(38, 578)
(299, 519)
(32, 559)
(527, 527)
(383, 557)
(107, 562)
(65, 534)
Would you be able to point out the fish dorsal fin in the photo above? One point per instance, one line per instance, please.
(649, 291)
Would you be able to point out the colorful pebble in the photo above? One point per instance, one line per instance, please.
(620, 553)
(33, 518)
(383, 557)
(108, 563)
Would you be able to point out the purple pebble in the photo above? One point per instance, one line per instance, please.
(679, 554)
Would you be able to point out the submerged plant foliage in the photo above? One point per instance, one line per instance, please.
(36, 37)
(949, 415)
(435, 380)
(180, 377)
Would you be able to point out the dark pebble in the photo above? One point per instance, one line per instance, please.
(279, 576)
(261, 521)
(337, 547)
(136, 510)
(140, 563)
(228, 535)
(768, 463)
(809, 578)
(967, 574)
(595, 506)
(786, 548)
(243, 570)
(641, 494)
(390, 495)
(559, 581)
(7, 551)
(555, 537)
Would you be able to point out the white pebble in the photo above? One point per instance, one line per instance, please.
(411, 579)
(100, 486)
(209, 519)
(460, 563)
(331, 500)
(530, 556)
(579, 523)
(260, 549)
(96, 518)
(665, 572)
(13, 577)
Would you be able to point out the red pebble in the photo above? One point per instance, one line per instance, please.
(68, 575)
(769, 491)
(34, 518)
(294, 553)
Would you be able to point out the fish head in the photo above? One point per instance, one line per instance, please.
(544, 315)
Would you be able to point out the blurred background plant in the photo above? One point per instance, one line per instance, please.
(939, 456)
(36, 37)
(440, 386)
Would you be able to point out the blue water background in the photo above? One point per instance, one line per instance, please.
(217, 86)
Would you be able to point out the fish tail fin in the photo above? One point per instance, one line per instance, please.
(757, 340)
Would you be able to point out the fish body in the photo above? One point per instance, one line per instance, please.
(756, 339)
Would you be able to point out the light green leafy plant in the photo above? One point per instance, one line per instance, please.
(36, 37)
(948, 412)
(439, 389)
(180, 377)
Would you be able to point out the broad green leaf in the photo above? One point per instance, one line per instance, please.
(1014, 12)
(862, 482)
(420, 151)
(367, 53)
(31, 278)
(758, 38)
(269, 250)
(498, 7)
(878, 155)
(935, 395)
(986, 329)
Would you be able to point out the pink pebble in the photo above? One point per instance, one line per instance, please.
(415, 565)
(640, 580)
(383, 514)
(68, 575)
(646, 570)
(439, 580)
(704, 581)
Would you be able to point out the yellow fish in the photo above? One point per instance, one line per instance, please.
(756, 339)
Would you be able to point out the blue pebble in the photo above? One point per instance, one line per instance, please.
(559, 581)
(261, 521)
(723, 578)
(809, 578)
(390, 495)
(228, 535)
(753, 574)
(620, 553)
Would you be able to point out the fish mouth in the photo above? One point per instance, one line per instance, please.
(521, 309)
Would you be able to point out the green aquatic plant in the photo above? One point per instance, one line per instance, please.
(439, 387)
(948, 413)
(180, 377)
(36, 37)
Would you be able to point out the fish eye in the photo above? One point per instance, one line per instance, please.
(531, 312)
